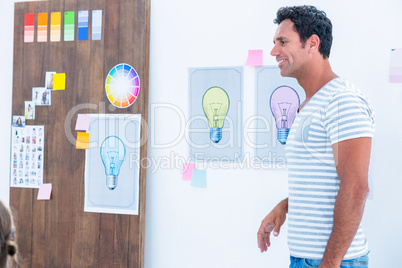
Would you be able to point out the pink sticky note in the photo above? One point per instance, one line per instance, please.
(45, 190)
(188, 171)
(82, 122)
(254, 58)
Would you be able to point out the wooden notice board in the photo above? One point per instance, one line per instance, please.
(58, 233)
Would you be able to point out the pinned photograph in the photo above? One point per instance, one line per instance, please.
(29, 110)
(18, 121)
(49, 80)
(41, 96)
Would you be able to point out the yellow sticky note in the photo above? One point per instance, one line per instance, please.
(59, 81)
(82, 140)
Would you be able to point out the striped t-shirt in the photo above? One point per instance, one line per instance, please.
(337, 112)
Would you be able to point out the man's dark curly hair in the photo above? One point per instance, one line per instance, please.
(308, 20)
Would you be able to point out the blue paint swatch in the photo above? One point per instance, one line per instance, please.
(199, 178)
(83, 25)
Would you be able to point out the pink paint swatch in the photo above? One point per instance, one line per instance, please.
(188, 171)
(254, 58)
(395, 71)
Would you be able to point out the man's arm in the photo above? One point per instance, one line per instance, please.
(352, 158)
(272, 222)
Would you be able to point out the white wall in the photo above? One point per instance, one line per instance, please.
(217, 226)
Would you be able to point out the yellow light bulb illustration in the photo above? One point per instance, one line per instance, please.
(215, 103)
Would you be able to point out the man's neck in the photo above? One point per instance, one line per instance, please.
(317, 77)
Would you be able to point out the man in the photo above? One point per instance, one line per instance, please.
(328, 150)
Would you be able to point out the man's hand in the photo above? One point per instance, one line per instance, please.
(272, 222)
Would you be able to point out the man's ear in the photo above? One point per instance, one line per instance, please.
(313, 43)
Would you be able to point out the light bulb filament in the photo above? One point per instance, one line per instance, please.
(215, 107)
(284, 108)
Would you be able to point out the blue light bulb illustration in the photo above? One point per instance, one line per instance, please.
(112, 153)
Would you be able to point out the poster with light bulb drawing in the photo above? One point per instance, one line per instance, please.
(112, 164)
(277, 101)
(215, 113)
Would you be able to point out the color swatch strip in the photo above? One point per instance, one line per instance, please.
(69, 24)
(395, 72)
(96, 24)
(42, 27)
(29, 27)
(55, 26)
(83, 25)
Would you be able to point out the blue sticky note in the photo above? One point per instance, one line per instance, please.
(83, 25)
(199, 178)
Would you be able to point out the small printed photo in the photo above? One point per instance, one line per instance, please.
(18, 121)
(49, 80)
(29, 110)
(41, 96)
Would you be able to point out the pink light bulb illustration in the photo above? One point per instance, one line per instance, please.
(284, 104)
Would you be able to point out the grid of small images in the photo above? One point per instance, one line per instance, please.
(27, 156)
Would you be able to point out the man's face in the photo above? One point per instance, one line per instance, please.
(290, 53)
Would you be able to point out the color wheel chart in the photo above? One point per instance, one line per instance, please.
(122, 85)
